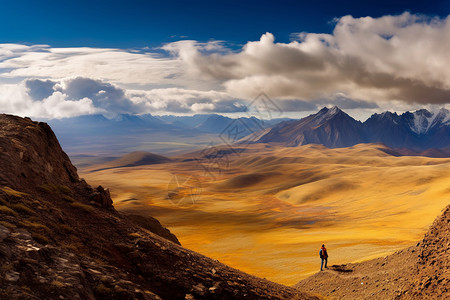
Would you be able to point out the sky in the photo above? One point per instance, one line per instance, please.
(67, 58)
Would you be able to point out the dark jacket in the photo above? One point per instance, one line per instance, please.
(323, 253)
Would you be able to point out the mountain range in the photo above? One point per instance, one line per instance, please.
(214, 123)
(334, 128)
(98, 124)
(96, 134)
(413, 132)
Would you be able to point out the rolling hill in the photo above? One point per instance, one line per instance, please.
(272, 206)
(134, 159)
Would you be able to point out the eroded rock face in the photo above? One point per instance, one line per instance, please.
(433, 266)
(153, 225)
(31, 155)
(102, 197)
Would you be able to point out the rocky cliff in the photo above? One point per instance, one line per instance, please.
(62, 239)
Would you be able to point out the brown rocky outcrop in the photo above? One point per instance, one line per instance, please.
(433, 266)
(102, 197)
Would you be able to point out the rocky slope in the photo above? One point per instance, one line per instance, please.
(419, 272)
(62, 239)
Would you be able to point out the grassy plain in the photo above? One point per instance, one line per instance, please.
(267, 210)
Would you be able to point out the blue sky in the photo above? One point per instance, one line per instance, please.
(67, 58)
(140, 23)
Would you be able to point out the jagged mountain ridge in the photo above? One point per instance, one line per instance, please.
(62, 239)
(329, 127)
(334, 128)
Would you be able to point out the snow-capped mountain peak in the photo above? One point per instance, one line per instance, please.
(442, 117)
(326, 114)
(424, 120)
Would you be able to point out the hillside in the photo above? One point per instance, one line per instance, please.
(62, 239)
(134, 159)
(419, 272)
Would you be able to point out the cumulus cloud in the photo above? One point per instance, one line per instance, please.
(402, 58)
(15, 99)
(39, 89)
(105, 96)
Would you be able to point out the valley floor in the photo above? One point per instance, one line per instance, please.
(267, 210)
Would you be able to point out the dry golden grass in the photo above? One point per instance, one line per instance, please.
(21, 208)
(135, 235)
(102, 289)
(40, 238)
(55, 189)
(13, 192)
(82, 206)
(67, 198)
(269, 212)
(7, 211)
(34, 226)
(63, 228)
(7, 224)
(57, 284)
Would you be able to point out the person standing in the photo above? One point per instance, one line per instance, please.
(324, 256)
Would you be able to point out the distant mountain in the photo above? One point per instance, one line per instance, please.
(330, 127)
(185, 121)
(392, 130)
(334, 128)
(100, 125)
(417, 130)
(91, 125)
(214, 123)
(98, 135)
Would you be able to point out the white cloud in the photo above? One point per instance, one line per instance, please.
(80, 96)
(15, 99)
(402, 58)
(57, 106)
(177, 100)
(114, 65)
